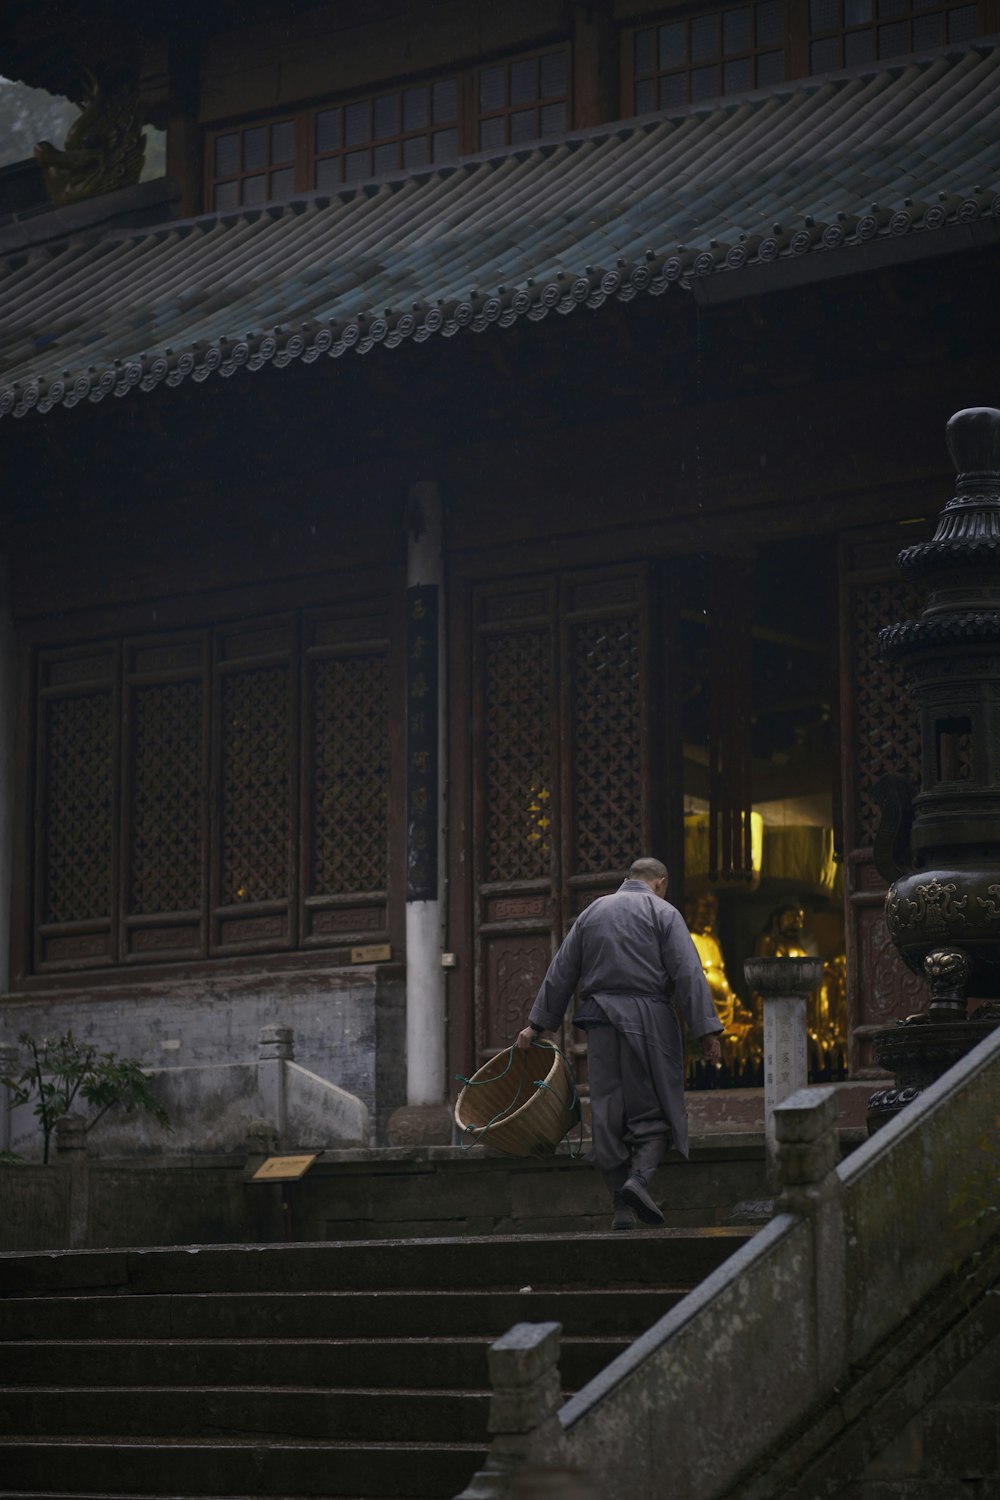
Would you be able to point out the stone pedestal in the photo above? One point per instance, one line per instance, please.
(785, 985)
(274, 1048)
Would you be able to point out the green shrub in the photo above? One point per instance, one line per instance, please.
(63, 1070)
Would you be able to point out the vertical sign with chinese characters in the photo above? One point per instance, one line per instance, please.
(422, 743)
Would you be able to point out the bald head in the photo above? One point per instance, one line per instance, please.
(652, 872)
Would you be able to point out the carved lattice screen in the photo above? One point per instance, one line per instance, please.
(165, 768)
(214, 792)
(880, 734)
(347, 702)
(560, 761)
(76, 864)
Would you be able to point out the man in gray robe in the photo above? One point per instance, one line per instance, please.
(637, 968)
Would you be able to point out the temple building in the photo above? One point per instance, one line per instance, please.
(334, 687)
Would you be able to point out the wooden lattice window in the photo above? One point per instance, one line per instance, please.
(252, 164)
(422, 124)
(213, 792)
(407, 128)
(685, 59)
(560, 757)
(523, 98)
(845, 32)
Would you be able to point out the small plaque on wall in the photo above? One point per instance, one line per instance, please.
(372, 953)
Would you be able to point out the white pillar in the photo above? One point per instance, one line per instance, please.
(784, 985)
(425, 981)
(8, 715)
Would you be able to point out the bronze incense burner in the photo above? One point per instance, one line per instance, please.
(940, 848)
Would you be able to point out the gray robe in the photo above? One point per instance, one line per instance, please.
(637, 968)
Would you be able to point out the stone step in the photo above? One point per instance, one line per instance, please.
(658, 1257)
(418, 1471)
(345, 1315)
(238, 1411)
(414, 1363)
(341, 1369)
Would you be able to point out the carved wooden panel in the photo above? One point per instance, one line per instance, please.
(75, 856)
(256, 778)
(886, 730)
(890, 989)
(518, 787)
(351, 776)
(165, 768)
(167, 791)
(561, 767)
(171, 823)
(515, 967)
(79, 808)
(606, 786)
(345, 792)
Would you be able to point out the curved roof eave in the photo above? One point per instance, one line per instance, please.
(783, 174)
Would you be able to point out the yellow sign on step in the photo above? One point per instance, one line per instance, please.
(284, 1168)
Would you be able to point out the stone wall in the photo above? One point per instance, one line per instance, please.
(797, 1347)
(348, 1024)
(951, 1449)
(352, 1194)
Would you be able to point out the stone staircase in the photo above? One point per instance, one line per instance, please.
(341, 1369)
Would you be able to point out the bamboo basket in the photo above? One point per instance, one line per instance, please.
(506, 1107)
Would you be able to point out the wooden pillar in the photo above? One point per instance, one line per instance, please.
(596, 69)
(168, 89)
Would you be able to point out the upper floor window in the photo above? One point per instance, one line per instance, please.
(845, 32)
(523, 99)
(408, 128)
(253, 165)
(334, 144)
(686, 59)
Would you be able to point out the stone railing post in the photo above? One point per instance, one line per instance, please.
(8, 1064)
(71, 1147)
(808, 1152)
(524, 1373)
(274, 1049)
(784, 985)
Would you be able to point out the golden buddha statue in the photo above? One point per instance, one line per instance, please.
(782, 937)
(701, 917)
(826, 1009)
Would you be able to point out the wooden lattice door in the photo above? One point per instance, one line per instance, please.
(561, 755)
(881, 734)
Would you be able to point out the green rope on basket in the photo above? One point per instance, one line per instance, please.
(475, 1133)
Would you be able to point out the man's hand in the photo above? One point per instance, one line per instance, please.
(711, 1049)
(526, 1037)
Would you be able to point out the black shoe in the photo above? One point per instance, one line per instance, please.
(623, 1216)
(634, 1192)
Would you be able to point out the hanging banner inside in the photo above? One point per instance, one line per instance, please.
(422, 743)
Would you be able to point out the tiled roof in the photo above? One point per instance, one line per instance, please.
(792, 171)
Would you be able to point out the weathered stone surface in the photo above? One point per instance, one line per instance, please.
(421, 1125)
(347, 1025)
(770, 1312)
